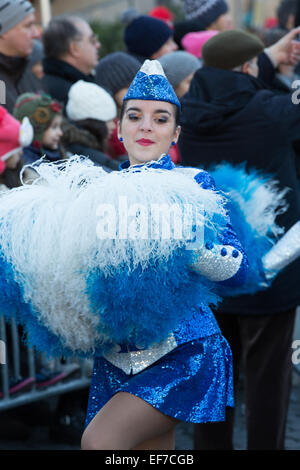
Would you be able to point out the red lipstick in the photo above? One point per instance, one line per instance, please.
(145, 142)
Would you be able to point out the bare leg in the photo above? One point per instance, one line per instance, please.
(163, 442)
(128, 422)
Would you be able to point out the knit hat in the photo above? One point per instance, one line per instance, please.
(194, 42)
(178, 65)
(145, 35)
(90, 101)
(37, 53)
(116, 71)
(13, 12)
(205, 11)
(127, 16)
(162, 13)
(230, 49)
(182, 28)
(13, 136)
(40, 110)
(150, 83)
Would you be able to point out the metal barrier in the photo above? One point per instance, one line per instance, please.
(11, 398)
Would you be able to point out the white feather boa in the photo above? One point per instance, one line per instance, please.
(49, 236)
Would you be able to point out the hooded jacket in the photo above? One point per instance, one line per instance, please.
(230, 116)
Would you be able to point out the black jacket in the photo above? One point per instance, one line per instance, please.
(230, 116)
(18, 79)
(59, 77)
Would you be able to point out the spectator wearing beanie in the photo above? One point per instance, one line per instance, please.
(194, 42)
(182, 28)
(17, 34)
(209, 14)
(148, 38)
(115, 72)
(164, 14)
(179, 67)
(45, 116)
(92, 112)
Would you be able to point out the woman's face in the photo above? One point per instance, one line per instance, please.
(148, 129)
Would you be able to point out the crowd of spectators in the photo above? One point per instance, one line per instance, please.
(73, 98)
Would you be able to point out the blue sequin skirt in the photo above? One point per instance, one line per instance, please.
(192, 383)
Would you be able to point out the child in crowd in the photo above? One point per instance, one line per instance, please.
(91, 112)
(45, 115)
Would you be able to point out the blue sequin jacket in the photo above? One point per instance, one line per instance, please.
(226, 264)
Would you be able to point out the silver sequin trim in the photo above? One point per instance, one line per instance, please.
(214, 266)
(132, 362)
(284, 252)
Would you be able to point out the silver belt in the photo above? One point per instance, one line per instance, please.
(132, 362)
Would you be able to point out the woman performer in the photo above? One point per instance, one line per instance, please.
(190, 378)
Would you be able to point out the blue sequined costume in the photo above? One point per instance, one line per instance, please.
(188, 376)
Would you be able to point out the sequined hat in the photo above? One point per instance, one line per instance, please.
(150, 83)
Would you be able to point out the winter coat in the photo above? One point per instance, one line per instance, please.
(18, 79)
(231, 116)
(59, 77)
(32, 153)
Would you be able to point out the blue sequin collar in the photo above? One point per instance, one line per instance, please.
(164, 163)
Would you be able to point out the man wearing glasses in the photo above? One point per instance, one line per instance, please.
(71, 54)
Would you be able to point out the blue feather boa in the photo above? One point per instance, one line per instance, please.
(240, 185)
(131, 299)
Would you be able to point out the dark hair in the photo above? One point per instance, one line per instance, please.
(177, 113)
(98, 129)
(58, 35)
(285, 9)
(11, 177)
